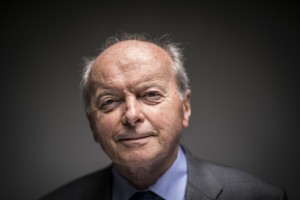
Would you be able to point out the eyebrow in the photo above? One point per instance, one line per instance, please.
(107, 89)
(146, 85)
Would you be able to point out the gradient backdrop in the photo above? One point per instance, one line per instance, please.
(242, 59)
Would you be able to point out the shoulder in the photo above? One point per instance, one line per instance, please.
(88, 186)
(233, 183)
(236, 182)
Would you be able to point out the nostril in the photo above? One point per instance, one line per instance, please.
(131, 122)
(132, 119)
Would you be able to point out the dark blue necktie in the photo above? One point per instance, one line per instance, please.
(146, 195)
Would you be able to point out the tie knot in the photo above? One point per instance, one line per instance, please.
(146, 195)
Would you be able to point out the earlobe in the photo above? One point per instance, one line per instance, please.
(186, 108)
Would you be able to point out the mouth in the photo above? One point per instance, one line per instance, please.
(135, 140)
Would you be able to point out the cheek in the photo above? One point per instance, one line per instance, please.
(104, 125)
(167, 118)
(157, 116)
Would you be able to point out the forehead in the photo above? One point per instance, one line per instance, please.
(131, 58)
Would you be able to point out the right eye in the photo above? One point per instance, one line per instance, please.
(107, 104)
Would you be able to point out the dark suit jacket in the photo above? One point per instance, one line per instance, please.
(206, 181)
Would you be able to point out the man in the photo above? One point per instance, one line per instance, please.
(137, 100)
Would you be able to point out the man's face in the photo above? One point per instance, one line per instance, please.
(136, 111)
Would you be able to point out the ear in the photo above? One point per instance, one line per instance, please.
(186, 108)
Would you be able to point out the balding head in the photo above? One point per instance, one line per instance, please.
(163, 45)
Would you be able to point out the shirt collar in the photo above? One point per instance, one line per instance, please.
(177, 175)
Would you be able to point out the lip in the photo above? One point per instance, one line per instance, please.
(135, 141)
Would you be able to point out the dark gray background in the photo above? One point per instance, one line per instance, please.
(243, 64)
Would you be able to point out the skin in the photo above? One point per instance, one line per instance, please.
(136, 111)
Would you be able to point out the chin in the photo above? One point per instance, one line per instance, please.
(138, 160)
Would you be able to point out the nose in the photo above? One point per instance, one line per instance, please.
(133, 115)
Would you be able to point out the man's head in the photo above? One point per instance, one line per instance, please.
(137, 100)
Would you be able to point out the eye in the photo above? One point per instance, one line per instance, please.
(152, 97)
(107, 104)
(152, 94)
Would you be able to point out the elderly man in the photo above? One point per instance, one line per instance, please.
(137, 100)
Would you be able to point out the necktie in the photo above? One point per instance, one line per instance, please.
(146, 195)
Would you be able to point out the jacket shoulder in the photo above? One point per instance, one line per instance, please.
(90, 186)
(234, 183)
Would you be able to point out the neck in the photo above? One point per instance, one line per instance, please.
(145, 175)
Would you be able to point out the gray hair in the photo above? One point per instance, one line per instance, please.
(172, 48)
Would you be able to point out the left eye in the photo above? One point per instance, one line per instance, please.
(152, 97)
(152, 94)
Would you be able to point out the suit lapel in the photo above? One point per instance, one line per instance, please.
(202, 184)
